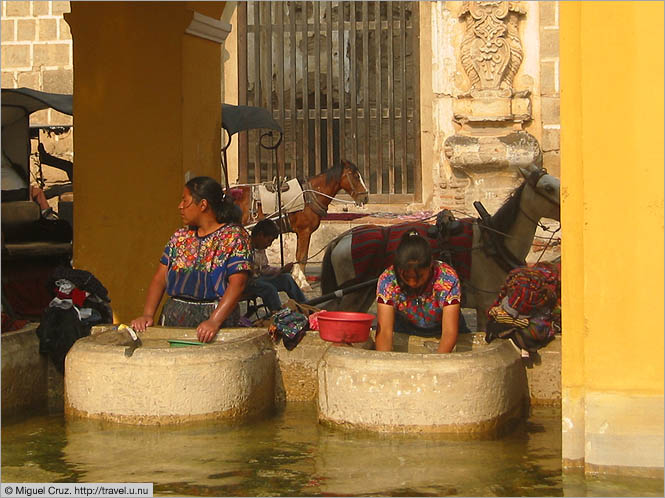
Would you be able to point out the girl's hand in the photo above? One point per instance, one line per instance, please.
(206, 331)
(286, 268)
(141, 323)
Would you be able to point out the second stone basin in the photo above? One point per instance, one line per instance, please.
(474, 392)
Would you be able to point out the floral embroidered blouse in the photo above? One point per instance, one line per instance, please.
(425, 310)
(200, 267)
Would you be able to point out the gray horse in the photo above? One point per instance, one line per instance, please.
(537, 197)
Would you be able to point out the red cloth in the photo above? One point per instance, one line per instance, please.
(236, 194)
(344, 216)
(77, 296)
(532, 288)
(461, 249)
(373, 247)
(371, 258)
(9, 324)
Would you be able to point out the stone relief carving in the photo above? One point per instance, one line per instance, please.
(491, 50)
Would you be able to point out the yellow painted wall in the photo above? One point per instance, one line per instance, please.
(612, 214)
(146, 111)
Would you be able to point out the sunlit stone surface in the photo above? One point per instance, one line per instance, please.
(231, 378)
(473, 392)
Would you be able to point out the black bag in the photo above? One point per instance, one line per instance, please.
(60, 328)
(58, 331)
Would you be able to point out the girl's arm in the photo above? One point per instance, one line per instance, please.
(155, 293)
(385, 314)
(449, 328)
(207, 330)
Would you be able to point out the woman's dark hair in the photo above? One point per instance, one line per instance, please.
(413, 251)
(204, 187)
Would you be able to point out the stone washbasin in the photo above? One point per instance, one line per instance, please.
(232, 378)
(477, 391)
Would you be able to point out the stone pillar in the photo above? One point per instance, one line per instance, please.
(491, 107)
(147, 80)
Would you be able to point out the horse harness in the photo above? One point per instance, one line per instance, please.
(312, 200)
(493, 246)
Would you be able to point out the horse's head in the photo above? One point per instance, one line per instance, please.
(541, 194)
(353, 183)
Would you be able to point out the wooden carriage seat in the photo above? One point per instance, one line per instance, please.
(19, 212)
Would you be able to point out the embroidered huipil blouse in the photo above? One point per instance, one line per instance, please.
(200, 267)
(426, 309)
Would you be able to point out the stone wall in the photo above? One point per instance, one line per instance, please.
(37, 53)
(467, 114)
(37, 49)
(549, 85)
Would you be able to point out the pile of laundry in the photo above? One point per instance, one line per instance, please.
(528, 307)
(291, 323)
(80, 302)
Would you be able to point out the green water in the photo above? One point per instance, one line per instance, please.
(290, 454)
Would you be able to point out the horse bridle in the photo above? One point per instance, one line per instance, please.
(347, 174)
(533, 179)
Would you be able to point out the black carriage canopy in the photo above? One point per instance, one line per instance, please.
(17, 106)
(237, 118)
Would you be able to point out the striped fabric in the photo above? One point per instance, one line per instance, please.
(373, 247)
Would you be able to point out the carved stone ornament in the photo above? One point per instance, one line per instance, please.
(491, 50)
(484, 154)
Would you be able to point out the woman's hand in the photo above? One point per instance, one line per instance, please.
(141, 323)
(206, 331)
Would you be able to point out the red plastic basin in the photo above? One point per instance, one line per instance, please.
(344, 326)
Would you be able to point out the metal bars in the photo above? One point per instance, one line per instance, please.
(342, 79)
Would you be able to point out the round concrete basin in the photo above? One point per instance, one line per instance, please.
(232, 378)
(474, 392)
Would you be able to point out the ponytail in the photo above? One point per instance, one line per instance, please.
(204, 187)
(413, 250)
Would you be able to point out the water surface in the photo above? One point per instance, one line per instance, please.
(290, 454)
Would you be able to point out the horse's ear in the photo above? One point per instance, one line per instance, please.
(526, 171)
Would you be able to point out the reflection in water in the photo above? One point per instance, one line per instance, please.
(292, 455)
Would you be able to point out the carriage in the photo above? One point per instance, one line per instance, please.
(31, 248)
(296, 206)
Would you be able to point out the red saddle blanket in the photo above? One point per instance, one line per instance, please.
(373, 247)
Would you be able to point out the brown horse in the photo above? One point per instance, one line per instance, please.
(318, 191)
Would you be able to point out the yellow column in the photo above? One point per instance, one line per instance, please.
(146, 113)
(572, 247)
(612, 218)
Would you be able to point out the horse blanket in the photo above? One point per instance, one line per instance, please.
(373, 247)
(459, 247)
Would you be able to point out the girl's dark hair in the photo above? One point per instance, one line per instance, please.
(266, 227)
(413, 250)
(204, 187)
